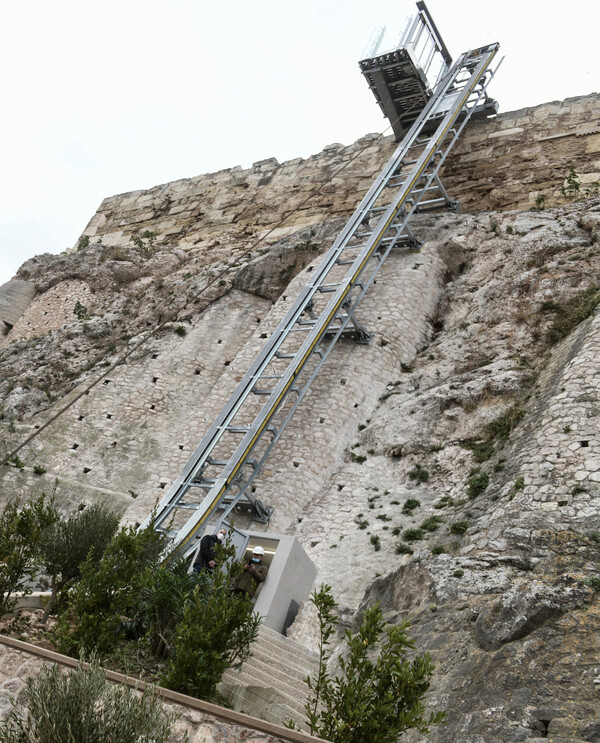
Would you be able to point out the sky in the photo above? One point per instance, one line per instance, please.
(101, 98)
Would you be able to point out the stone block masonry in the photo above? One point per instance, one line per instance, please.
(504, 162)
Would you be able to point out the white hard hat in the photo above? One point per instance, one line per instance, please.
(258, 551)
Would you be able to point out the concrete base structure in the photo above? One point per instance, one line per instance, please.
(289, 582)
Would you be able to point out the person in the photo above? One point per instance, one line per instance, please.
(253, 575)
(205, 558)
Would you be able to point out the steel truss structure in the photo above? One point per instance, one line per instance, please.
(219, 475)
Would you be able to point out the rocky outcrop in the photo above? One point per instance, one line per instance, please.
(450, 469)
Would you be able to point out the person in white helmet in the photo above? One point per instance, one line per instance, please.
(254, 573)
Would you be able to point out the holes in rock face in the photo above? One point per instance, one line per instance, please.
(106, 381)
(197, 372)
(86, 470)
(309, 269)
(81, 417)
(36, 427)
(162, 485)
(383, 343)
(75, 446)
(258, 319)
(114, 443)
(342, 381)
(264, 335)
(584, 443)
(355, 404)
(296, 464)
(542, 728)
(253, 488)
(109, 415)
(152, 407)
(154, 355)
(227, 363)
(340, 488)
(321, 420)
(563, 503)
(154, 380)
(181, 447)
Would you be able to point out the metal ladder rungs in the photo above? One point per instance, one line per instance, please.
(205, 481)
(188, 506)
(217, 462)
(256, 391)
(431, 202)
(328, 288)
(345, 262)
(237, 429)
(282, 355)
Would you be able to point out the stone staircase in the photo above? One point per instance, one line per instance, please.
(270, 685)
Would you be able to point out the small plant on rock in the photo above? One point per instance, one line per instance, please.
(419, 474)
(412, 535)
(432, 523)
(410, 505)
(477, 483)
(459, 527)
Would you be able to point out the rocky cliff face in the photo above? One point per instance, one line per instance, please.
(450, 469)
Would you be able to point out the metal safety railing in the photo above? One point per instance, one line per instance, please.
(219, 475)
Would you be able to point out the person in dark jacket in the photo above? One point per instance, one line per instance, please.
(206, 556)
(254, 574)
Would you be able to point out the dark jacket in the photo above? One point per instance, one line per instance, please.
(207, 552)
(249, 579)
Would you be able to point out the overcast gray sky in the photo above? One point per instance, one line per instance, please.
(100, 98)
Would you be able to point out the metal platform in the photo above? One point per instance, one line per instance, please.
(403, 79)
(219, 476)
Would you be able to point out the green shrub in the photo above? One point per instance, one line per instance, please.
(458, 573)
(432, 523)
(503, 426)
(410, 505)
(403, 549)
(438, 550)
(418, 474)
(82, 706)
(593, 582)
(80, 311)
(445, 500)
(108, 591)
(378, 694)
(477, 483)
(180, 330)
(572, 313)
(376, 542)
(459, 527)
(412, 535)
(482, 450)
(68, 542)
(216, 630)
(38, 469)
(21, 530)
